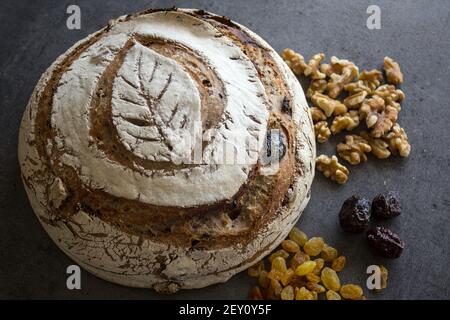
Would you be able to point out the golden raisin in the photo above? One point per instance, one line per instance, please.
(298, 259)
(276, 286)
(256, 269)
(338, 264)
(263, 280)
(298, 282)
(298, 236)
(255, 294)
(279, 264)
(351, 292)
(384, 278)
(314, 246)
(303, 294)
(253, 272)
(280, 253)
(305, 278)
(319, 265)
(270, 294)
(330, 279)
(287, 277)
(290, 246)
(275, 274)
(311, 277)
(328, 253)
(315, 287)
(333, 295)
(305, 268)
(287, 293)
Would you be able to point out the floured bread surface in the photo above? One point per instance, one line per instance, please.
(147, 150)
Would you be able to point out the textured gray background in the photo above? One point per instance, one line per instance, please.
(34, 33)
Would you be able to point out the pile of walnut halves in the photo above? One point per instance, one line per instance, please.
(344, 99)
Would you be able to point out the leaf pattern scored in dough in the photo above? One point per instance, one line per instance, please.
(155, 105)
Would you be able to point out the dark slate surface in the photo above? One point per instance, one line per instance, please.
(34, 33)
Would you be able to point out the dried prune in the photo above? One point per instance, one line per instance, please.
(355, 214)
(386, 205)
(385, 243)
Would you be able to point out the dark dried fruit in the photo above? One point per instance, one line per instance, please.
(355, 214)
(275, 146)
(385, 243)
(286, 106)
(386, 205)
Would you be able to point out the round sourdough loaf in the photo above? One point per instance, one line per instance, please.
(171, 149)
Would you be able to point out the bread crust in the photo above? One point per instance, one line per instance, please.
(97, 217)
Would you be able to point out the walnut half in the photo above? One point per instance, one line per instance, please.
(379, 117)
(294, 60)
(391, 95)
(322, 131)
(313, 68)
(317, 85)
(331, 168)
(393, 73)
(317, 114)
(342, 73)
(355, 100)
(347, 121)
(354, 149)
(398, 141)
(380, 148)
(371, 79)
(328, 105)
